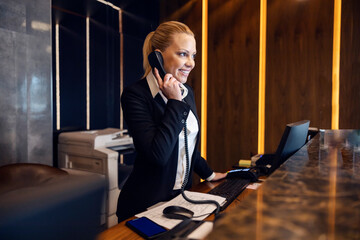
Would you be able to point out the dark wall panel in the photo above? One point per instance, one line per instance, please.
(350, 65)
(233, 60)
(72, 58)
(104, 68)
(137, 19)
(298, 65)
(133, 70)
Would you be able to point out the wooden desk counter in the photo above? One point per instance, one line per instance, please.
(120, 231)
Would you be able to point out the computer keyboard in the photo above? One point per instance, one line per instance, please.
(230, 189)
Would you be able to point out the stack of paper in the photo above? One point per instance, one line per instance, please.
(201, 211)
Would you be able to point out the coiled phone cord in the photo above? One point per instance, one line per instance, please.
(187, 173)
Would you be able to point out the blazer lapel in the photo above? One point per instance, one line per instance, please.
(160, 102)
(187, 99)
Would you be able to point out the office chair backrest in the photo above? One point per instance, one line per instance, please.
(47, 203)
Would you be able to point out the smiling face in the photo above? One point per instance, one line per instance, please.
(179, 57)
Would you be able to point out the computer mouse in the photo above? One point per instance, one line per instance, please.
(245, 173)
(177, 212)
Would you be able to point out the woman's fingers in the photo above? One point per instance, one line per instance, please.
(158, 78)
(170, 87)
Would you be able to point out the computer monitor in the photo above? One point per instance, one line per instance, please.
(293, 138)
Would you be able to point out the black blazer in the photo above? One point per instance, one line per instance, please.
(155, 128)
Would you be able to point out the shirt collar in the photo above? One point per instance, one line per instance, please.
(154, 86)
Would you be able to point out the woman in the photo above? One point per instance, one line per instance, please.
(155, 111)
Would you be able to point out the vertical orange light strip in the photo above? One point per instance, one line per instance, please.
(204, 42)
(262, 68)
(336, 65)
(87, 73)
(57, 77)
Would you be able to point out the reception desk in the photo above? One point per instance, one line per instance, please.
(315, 194)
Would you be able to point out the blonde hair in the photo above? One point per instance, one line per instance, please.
(162, 38)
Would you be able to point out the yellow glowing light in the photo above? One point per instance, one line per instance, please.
(57, 78)
(87, 73)
(336, 66)
(262, 68)
(204, 27)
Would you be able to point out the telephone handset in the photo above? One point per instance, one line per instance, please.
(156, 60)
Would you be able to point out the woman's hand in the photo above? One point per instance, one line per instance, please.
(219, 176)
(169, 86)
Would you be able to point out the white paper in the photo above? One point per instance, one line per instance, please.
(156, 213)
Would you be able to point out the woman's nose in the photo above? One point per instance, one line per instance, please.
(190, 62)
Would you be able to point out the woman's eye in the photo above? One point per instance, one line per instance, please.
(182, 54)
(194, 56)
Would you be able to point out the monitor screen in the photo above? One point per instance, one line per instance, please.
(293, 138)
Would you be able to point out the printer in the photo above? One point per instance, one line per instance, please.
(96, 151)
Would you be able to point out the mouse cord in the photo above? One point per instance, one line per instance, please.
(187, 173)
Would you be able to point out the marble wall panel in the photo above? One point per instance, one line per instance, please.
(39, 103)
(13, 16)
(25, 82)
(8, 100)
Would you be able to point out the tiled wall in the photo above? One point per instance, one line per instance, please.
(25, 81)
